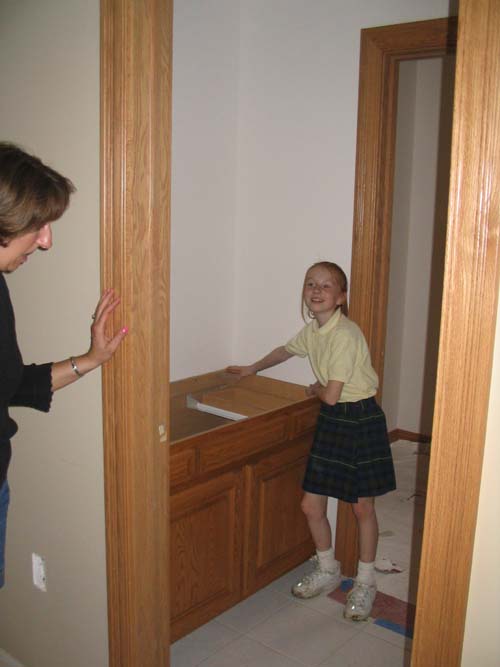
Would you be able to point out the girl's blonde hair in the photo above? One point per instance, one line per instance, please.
(340, 278)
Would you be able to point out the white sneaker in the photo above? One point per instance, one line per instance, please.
(360, 601)
(318, 581)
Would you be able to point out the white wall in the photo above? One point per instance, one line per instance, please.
(50, 104)
(417, 245)
(396, 306)
(297, 86)
(204, 167)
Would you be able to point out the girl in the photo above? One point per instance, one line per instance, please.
(350, 457)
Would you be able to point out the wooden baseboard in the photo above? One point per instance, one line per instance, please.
(401, 434)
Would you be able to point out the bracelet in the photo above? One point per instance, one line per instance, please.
(75, 367)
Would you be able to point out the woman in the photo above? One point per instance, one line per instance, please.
(32, 196)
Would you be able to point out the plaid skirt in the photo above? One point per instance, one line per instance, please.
(350, 456)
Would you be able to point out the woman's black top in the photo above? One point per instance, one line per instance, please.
(29, 386)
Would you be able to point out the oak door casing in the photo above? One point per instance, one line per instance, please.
(382, 49)
(135, 126)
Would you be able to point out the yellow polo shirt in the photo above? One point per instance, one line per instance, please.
(337, 351)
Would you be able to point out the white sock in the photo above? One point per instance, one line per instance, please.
(366, 573)
(327, 560)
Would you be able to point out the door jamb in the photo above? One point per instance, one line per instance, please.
(136, 59)
(471, 269)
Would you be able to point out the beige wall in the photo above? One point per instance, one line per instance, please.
(50, 103)
(482, 638)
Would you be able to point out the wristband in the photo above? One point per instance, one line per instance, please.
(75, 368)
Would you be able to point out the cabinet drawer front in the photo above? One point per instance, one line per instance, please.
(304, 420)
(236, 445)
(182, 466)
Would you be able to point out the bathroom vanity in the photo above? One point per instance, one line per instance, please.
(235, 490)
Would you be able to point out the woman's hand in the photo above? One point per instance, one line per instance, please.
(102, 347)
(242, 371)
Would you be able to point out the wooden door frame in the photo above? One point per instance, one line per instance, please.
(471, 269)
(136, 62)
(382, 49)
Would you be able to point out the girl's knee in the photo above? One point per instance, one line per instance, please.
(364, 508)
(314, 507)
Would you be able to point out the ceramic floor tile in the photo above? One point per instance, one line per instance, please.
(284, 584)
(253, 610)
(246, 652)
(388, 635)
(201, 644)
(304, 634)
(368, 651)
(325, 605)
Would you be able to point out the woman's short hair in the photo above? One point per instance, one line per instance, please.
(31, 193)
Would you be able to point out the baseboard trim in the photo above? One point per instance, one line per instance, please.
(401, 434)
(7, 660)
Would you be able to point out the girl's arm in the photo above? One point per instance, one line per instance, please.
(329, 394)
(101, 349)
(277, 356)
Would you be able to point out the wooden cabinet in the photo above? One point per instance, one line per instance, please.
(277, 537)
(206, 544)
(236, 522)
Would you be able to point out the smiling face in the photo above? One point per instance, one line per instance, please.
(322, 293)
(20, 247)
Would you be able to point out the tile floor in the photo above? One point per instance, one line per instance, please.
(274, 629)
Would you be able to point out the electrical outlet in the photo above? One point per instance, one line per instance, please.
(39, 573)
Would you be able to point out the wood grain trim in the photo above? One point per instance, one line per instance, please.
(136, 44)
(464, 369)
(381, 50)
(411, 436)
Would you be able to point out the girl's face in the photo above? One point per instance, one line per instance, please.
(20, 247)
(322, 293)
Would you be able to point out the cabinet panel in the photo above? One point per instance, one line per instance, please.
(205, 552)
(277, 536)
(247, 438)
(182, 466)
(305, 419)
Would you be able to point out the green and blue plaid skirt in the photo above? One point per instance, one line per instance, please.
(350, 456)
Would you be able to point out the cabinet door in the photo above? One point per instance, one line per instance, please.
(205, 535)
(277, 536)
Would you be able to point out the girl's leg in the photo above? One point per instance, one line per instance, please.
(314, 507)
(366, 517)
(360, 599)
(326, 576)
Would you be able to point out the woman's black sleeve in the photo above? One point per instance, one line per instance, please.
(35, 389)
